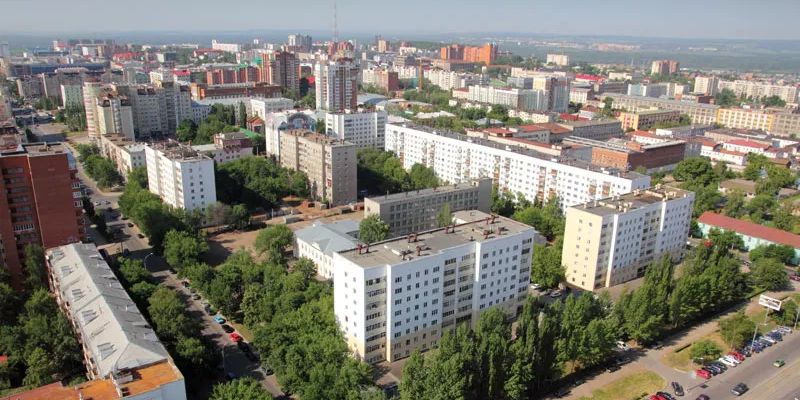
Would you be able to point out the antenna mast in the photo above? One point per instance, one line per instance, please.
(335, 24)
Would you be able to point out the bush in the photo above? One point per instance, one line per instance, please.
(705, 350)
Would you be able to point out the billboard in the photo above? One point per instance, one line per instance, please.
(769, 302)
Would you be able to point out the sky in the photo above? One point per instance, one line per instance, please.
(725, 19)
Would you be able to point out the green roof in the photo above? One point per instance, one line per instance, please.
(250, 134)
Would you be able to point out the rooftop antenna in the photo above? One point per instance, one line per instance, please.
(335, 24)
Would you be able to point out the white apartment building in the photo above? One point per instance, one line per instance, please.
(395, 296)
(561, 60)
(262, 106)
(364, 129)
(160, 75)
(613, 240)
(90, 92)
(456, 158)
(449, 80)
(71, 95)
(557, 90)
(149, 108)
(125, 153)
(181, 176)
(706, 85)
(760, 89)
(278, 122)
(114, 115)
(229, 47)
(122, 353)
(523, 99)
(319, 241)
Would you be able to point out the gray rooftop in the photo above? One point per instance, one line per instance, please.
(111, 326)
(426, 192)
(398, 250)
(330, 238)
(633, 200)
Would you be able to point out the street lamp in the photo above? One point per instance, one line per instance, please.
(144, 261)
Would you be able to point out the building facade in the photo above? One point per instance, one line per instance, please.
(364, 129)
(180, 176)
(330, 164)
(336, 84)
(261, 106)
(752, 234)
(643, 120)
(227, 147)
(457, 158)
(418, 210)
(319, 241)
(612, 241)
(664, 67)
(125, 153)
(403, 294)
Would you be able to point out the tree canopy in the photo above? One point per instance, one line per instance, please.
(258, 182)
(372, 229)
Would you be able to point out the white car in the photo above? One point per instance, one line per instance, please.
(732, 359)
(536, 286)
(726, 362)
(622, 345)
(769, 339)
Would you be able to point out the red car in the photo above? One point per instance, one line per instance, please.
(656, 397)
(236, 337)
(738, 356)
(703, 374)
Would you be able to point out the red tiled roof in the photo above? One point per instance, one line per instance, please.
(555, 128)
(529, 142)
(498, 131)
(747, 143)
(643, 134)
(750, 229)
(588, 77)
(569, 117)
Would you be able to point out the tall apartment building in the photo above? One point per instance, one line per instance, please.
(179, 103)
(284, 70)
(457, 158)
(557, 89)
(404, 294)
(381, 78)
(521, 99)
(160, 75)
(329, 163)
(364, 129)
(336, 84)
(181, 176)
(90, 92)
(707, 85)
(40, 202)
(700, 113)
(71, 96)
(760, 89)
(301, 43)
(562, 60)
(149, 110)
(122, 354)
(125, 153)
(276, 123)
(664, 67)
(485, 54)
(417, 210)
(643, 120)
(114, 114)
(262, 106)
(611, 241)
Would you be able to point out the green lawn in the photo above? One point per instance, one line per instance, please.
(633, 386)
(681, 360)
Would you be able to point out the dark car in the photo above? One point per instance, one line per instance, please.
(140, 236)
(251, 356)
(666, 395)
(227, 328)
(677, 388)
(130, 224)
(703, 397)
(613, 367)
(739, 389)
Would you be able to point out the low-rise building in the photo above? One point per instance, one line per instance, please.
(123, 356)
(611, 241)
(699, 113)
(181, 176)
(319, 241)
(227, 147)
(262, 107)
(329, 163)
(630, 154)
(752, 234)
(643, 120)
(418, 210)
(404, 294)
(748, 188)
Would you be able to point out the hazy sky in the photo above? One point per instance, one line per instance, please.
(735, 19)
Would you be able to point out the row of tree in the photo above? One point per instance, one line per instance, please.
(101, 170)
(381, 172)
(258, 182)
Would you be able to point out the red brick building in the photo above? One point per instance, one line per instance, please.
(633, 155)
(40, 202)
(486, 54)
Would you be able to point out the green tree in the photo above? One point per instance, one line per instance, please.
(735, 204)
(240, 389)
(783, 217)
(726, 98)
(445, 216)
(372, 229)
(168, 314)
(608, 107)
(705, 350)
(242, 115)
(217, 214)
(787, 314)
(502, 202)
(186, 131)
(274, 238)
(546, 267)
(773, 101)
(736, 329)
(9, 304)
(182, 248)
(240, 217)
(760, 207)
(35, 269)
(769, 274)
(695, 171)
(422, 177)
(780, 252)
(725, 239)
(138, 177)
(40, 368)
(412, 387)
(191, 352)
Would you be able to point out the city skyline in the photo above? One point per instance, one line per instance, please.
(721, 19)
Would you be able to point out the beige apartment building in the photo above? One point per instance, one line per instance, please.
(417, 210)
(125, 153)
(329, 163)
(642, 120)
(611, 241)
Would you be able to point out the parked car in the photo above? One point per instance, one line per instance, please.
(739, 356)
(769, 339)
(555, 293)
(677, 388)
(666, 395)
(227, 328)
(235, 337)
(656, 397)
(779, 363)
(731, 359)
(703, 397)
(219, 319)
(739, 389)
(722, 367)
(702, 373)
(794, 277)
(622, 345)
(536, 286)
(784, 330)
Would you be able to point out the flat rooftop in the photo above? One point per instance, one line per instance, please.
(398, 250)
(426, 192)
(633, 200)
